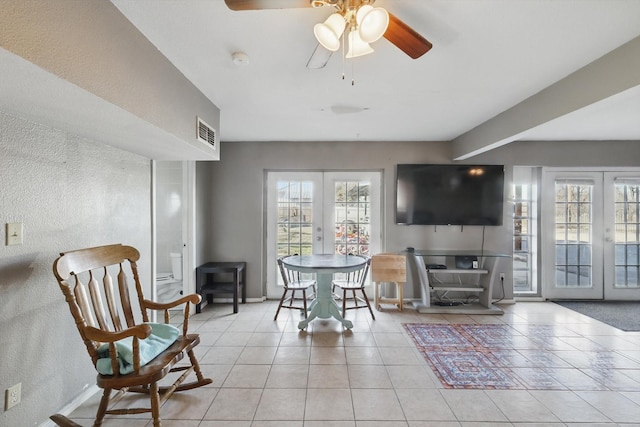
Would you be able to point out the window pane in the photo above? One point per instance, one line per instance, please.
(295, 213)
(585, 255)
(573, 233)
(352, 216)
(523, 233)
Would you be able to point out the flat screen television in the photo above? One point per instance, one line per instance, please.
(449, 194)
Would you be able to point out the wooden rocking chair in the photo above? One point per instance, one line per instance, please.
(123, 349)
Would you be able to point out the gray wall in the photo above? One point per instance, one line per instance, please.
(237, 229)
(595, 154)
(109, 63)
(70, 193)
(203, 214)
(237, 191)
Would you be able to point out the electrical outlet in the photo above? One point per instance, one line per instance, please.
(12, 396)
(501, 276)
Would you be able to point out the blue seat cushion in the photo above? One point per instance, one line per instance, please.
(161, 338)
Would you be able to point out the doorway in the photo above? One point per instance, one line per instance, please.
(320, 213)
(591, 235)
(173, 223)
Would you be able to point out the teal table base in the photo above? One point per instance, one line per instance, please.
(324, 266)
(324, 306)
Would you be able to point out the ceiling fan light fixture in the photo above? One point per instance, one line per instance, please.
(372, 22)
(329, 32)
(357, 47)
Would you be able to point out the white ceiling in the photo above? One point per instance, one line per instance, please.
(488, 56)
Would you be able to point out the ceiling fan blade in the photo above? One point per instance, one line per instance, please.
(266, 4)
(406, 38)
(319, 57)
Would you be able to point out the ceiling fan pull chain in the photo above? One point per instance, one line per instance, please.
(353, 74)
(343, 56)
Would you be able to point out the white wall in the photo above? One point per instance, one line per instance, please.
(69, 193)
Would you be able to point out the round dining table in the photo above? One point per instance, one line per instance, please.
(324, 266)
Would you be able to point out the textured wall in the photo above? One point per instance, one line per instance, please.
(70, 193)
(132, 86)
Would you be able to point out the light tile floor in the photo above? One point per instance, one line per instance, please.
(267, 373)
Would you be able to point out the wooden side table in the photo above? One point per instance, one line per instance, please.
(389, 268)
(213, 278)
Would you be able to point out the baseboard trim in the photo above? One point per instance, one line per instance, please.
(67, 409)
(230, 301)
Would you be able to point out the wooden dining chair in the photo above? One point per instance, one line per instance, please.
(292, 283)
(129, 354)
(354, 282)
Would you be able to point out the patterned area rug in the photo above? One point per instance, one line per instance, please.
(500, 357)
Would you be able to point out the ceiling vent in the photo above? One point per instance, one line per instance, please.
(206, 133)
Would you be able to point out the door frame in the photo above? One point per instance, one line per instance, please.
(188, 229)
(611, 292)
(596, 291)
(321, 242)
(603, 245)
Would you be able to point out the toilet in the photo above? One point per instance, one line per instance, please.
(169, 285)
(176, 265)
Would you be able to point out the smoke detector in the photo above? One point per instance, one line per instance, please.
(240, 58)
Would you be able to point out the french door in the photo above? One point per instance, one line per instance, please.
(591, 237)
(320, 213)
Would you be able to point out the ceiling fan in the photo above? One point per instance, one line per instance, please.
(364, 23)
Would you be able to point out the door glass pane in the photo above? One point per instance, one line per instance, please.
(295, 214)
(352, 217)
(573, 207)
(627, 227)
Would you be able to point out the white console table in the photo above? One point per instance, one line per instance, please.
(438, 284)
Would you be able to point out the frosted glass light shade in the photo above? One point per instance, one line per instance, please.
(356, 46)
(329, 32)
(372, 22)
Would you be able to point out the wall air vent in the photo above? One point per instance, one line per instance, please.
(206, 133)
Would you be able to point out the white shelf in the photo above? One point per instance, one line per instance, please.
(457, 288)
(456, 271)
(436, 282)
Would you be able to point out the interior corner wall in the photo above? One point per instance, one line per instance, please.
(236, 191)
(69, 193)
(204, 185)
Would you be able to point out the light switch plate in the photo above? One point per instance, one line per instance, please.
(14, 233)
